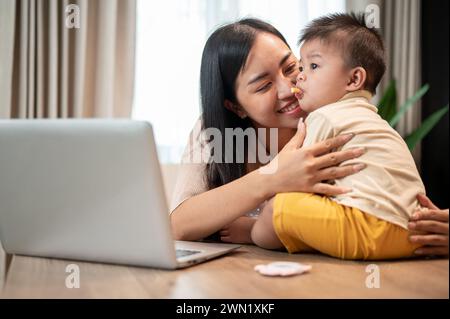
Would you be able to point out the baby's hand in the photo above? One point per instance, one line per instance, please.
(239, 231)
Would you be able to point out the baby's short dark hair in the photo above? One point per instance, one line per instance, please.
(361, 46)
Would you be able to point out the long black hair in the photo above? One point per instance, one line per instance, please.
(224, 56)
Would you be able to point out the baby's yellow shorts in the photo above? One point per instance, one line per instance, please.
(307, 222)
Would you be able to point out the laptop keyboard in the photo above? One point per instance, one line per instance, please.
(185, 252)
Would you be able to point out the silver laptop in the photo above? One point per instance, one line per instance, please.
(88, 190)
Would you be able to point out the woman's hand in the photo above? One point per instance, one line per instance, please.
(239, 231)
(304, 169)
(430, 227)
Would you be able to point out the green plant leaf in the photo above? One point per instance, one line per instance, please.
(410, 102)
(388, 102)
(427, 125)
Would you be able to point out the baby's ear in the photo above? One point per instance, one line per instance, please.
(235, 109)
(357, 79)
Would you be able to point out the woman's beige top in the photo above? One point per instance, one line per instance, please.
(191, 179)
(191, 174)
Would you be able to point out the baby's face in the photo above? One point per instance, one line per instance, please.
(323, 76)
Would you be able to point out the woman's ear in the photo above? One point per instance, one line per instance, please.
(358, 77)
(236, 109)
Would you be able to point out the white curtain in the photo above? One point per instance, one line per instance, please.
(49, 70)
(400, 27)
(170, 39)
(402, 35)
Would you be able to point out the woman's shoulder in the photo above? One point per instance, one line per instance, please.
(197, 149)
(192, 168)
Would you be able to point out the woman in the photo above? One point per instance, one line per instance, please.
(247, 74)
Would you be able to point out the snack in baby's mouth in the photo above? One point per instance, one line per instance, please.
(295, 90)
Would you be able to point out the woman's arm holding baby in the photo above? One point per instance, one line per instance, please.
(432, 225)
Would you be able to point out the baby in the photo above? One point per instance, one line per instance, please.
(342, 62)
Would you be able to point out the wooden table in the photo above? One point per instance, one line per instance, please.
(231, 276)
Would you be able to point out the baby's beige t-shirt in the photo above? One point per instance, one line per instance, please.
(388, 186)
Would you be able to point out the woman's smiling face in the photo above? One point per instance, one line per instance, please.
(263, 87)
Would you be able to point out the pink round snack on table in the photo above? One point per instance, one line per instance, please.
(282, 268)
